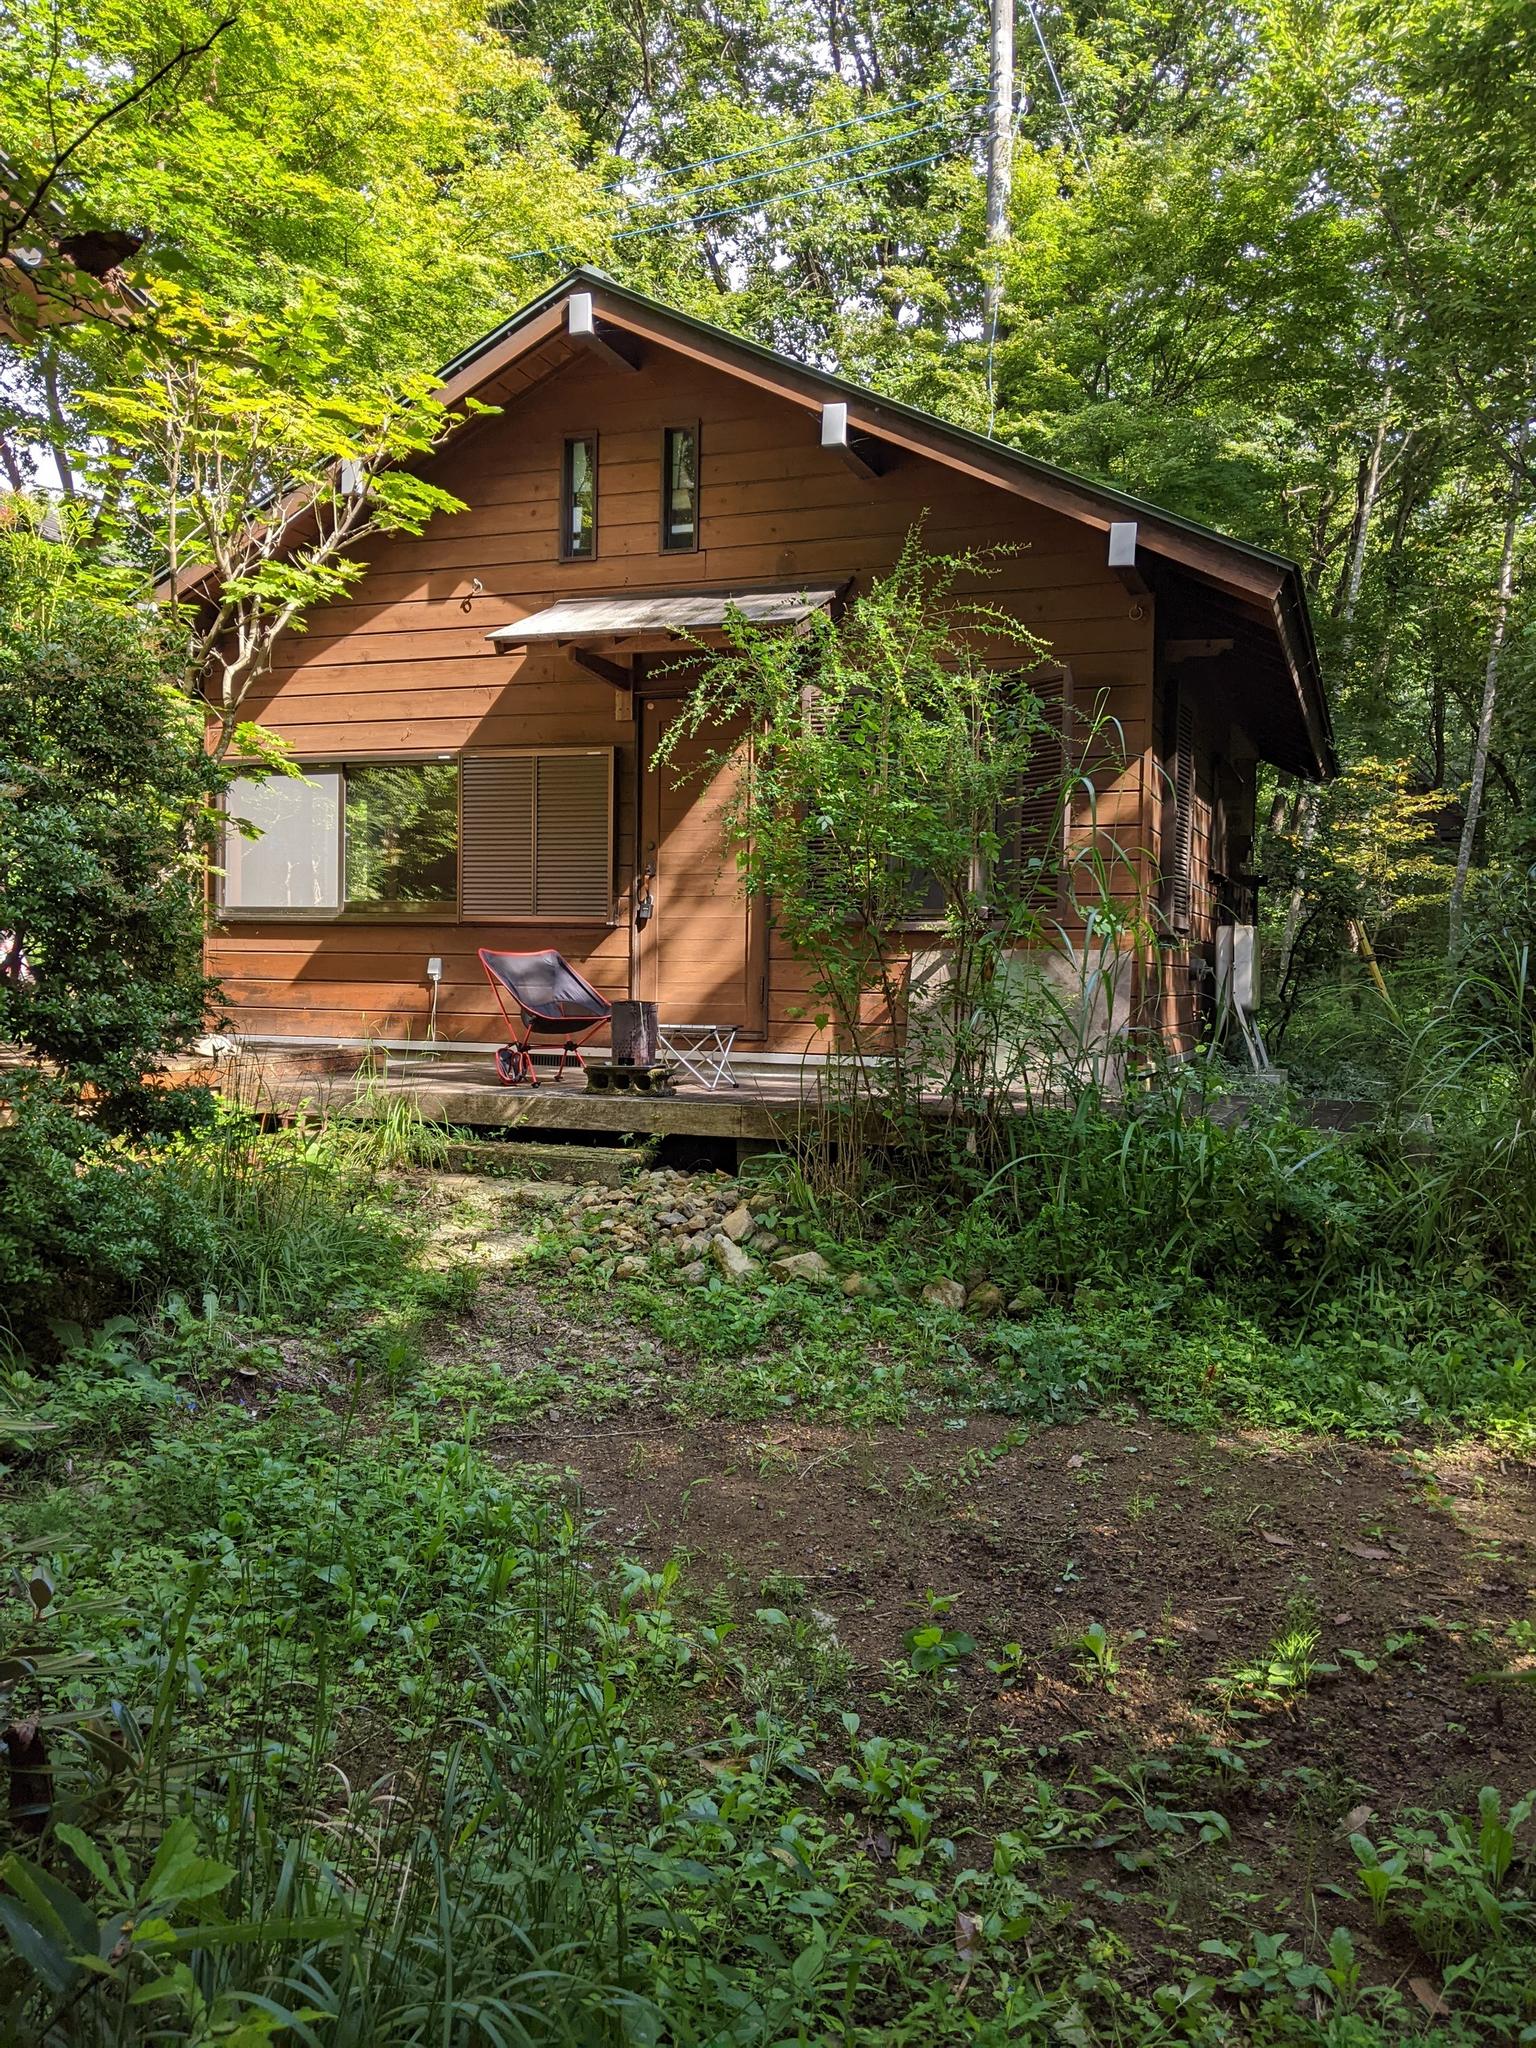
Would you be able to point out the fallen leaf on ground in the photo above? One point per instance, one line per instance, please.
(1428, 1996)
(1366, 1550)
(1280, 1542)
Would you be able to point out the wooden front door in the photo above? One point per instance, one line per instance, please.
(702, 956)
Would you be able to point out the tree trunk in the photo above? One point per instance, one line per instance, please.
(1349, 598)
(1354, 574)
(58, 426)
(1304, 817)
(1484, 727)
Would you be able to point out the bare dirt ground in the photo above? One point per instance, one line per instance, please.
(1296, 1638)
(1196, 1555)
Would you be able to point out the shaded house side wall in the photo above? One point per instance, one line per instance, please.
(1181, 977)
(401, 668)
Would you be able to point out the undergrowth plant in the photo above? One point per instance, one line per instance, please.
(907, 805)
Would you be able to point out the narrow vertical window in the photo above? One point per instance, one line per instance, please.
(680, 490)
(578, 498)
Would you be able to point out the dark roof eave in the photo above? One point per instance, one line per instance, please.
(967, 436)
(1290, 598)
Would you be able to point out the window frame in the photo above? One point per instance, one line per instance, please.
(664, 546)
(593, 920)
(445, 912)
(589, 439)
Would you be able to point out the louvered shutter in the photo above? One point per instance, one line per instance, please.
(1042, 810)
(537, 836)
(1181, 879)
(496, 835)
(573, 854)
(821, 868)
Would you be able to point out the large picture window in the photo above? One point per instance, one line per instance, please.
(295, 863)
(402, 834)
(494, 836)
(376, 837)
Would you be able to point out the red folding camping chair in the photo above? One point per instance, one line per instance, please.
(551, 1000)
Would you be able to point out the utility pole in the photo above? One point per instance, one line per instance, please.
(999, 154)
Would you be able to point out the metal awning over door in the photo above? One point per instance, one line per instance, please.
(596, 621)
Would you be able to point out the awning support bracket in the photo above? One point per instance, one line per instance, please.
(606, 671)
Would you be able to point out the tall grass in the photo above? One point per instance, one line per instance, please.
(293, 1209)
(466, 1892)
(1193, 1173)
(1457, 1146)
(290, 1214)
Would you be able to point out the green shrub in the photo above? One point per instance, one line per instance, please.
(362, 1770)
(284, 1223)
(86, 1226)
(108, 811)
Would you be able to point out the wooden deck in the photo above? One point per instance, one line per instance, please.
(462, 1090)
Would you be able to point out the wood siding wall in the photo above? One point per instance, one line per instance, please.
(1182, 982)
(403, 667)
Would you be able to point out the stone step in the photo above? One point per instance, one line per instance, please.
(605, 1166)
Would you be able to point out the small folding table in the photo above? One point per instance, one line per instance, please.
(702, 1050)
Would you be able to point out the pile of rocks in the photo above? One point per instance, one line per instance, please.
(693, 1226)
(689, 1224)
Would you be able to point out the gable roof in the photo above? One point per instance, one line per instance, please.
(1261, 591)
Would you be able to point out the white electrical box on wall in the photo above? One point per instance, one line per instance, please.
(1237, 966)
(434, 969)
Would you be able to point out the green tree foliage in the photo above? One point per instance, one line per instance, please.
(1272, 268)
(886, 786)
(398, 153)
(106, 818)
(233, 456)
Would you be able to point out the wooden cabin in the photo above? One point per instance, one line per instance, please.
(477, 718)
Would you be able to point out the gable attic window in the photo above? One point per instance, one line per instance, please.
(377, 838)
(679, 490)
(578, 498)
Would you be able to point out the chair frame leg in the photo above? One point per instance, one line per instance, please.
(522, 1074)
(571, 1051)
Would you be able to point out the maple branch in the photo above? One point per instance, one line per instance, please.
(184, 55)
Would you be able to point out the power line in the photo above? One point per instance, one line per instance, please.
(1066, 104)
(669, 227)
(776, 199)
(707, 163)
(799, 163)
